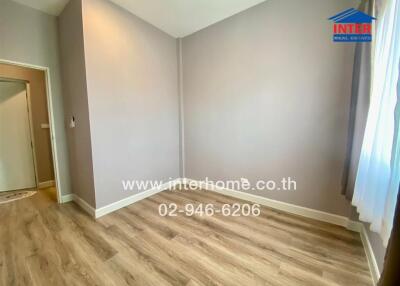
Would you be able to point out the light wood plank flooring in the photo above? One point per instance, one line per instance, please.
(43, 243)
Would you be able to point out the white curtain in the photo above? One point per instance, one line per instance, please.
(377, 181)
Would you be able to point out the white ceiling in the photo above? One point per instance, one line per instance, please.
(178, 18)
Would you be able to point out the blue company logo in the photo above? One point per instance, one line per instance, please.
(352, 25)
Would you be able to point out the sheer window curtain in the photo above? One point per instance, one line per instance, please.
(378, 175)
(359, 106)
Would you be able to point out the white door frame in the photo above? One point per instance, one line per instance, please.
(49, 97)
(28, 99)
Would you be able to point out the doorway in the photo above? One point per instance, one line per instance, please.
(17, 165)
(31, 163)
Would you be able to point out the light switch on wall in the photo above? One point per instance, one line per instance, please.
(44, 126)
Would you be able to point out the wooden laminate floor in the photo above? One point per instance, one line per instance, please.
(43, 243)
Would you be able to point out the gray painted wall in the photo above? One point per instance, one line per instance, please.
(29, 36)
(266, 95)
(76, 100)
(131, 70)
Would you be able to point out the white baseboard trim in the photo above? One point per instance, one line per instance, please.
(80, 202)
(99, 212)
(67, 198)
(289, 208)
(354, 226)
(134, 198)
(47, 184)
(84, 205)
(373, 265)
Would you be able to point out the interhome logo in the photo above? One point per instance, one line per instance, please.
(352, 25)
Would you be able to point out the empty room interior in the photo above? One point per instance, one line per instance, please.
(200, 142)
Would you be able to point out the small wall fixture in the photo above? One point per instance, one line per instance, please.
(72, 122)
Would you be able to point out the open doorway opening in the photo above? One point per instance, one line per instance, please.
(26, 147)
